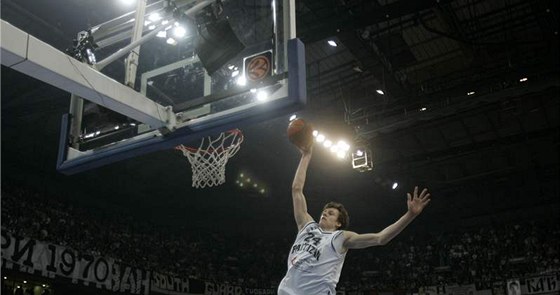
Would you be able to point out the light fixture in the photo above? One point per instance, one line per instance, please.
(470, 93)
(380, 91)
(5, 278)
(241, 175)
(248, 180)
(117, 127)
(262, 96)
(164, 22)
(25, 282)
(395, 185)
(253, 90)
(151, 27)
(255, 185)
(362, 160)
(423, 109)
(241, 81)
(320, 138)
(343, 145)
(315, 133)
(161, 34)
(334, 149)
(341, 154)
(262, 191)
(327, 143)
(241, 184)
(523, 79)
(332, 43)
(179, 32)
(293, 117)
(171, 41)
(235, 73)
(154, 17)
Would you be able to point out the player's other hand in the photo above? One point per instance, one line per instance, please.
(415, 202)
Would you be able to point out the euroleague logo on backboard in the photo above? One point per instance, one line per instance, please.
(259, 66)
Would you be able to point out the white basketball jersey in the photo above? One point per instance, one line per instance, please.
(314, 265)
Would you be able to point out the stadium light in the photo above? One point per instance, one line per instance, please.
(154, 17)
(262, 96)
(179, 32)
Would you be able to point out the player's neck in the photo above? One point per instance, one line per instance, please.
(324, 228)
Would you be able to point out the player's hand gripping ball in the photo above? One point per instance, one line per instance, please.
(300, 133)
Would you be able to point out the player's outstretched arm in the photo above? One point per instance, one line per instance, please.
(415, 203)
(300, 205)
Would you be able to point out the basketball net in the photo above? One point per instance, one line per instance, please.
(208, 161)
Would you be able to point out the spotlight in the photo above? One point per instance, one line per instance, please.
(154, 17)
(380, 91)
(161, 34)
(343, 145)
(327, 143)
(171, 41)
(262, 96)
(315, 133)
(293, 117)
(332, 43)
(320, 138)
(179, 32)
(242, 81)
(523, 80)
(395, 185)
(470, 93)
(423, 109)
(362, 160)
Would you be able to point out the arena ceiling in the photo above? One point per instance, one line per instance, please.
(493, 150)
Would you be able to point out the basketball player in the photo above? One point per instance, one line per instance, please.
(317, 255)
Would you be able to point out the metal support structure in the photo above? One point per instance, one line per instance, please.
(132, 60)
(33, 57)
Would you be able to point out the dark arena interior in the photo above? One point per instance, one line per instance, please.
(458, 96)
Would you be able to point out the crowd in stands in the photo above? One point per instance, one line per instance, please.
(478, 255)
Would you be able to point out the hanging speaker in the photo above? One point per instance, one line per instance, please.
(217, 44)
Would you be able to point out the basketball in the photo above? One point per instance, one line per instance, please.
(300, 134)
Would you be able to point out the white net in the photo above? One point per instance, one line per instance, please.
(208, 161)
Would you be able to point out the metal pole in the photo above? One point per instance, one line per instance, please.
(132, 59)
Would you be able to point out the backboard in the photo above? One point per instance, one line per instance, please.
(208, 66)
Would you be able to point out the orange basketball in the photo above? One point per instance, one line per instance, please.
(300, 134)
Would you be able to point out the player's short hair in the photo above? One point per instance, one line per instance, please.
(343, 217)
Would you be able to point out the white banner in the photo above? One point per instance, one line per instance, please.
(32, 256)
(543, 284)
